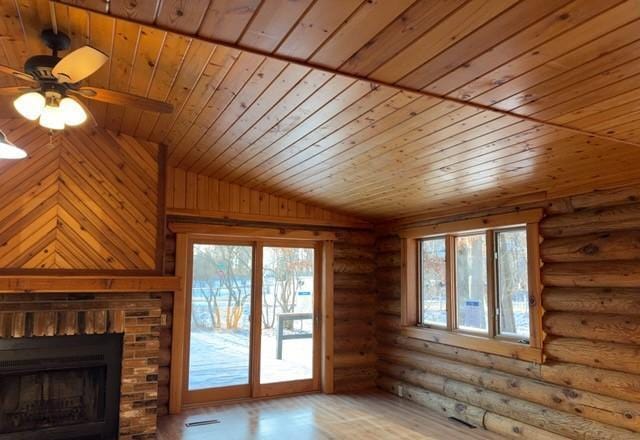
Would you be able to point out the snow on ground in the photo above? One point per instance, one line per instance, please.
(221, 358)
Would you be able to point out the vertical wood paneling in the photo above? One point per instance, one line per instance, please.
(194, 194)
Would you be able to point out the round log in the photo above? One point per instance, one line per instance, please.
(354, 343)
(613, 328)
(360, 238)
(592, 300)
(606, 382)
(344, 250)
(345, 374)
(388, 243)
(388, 259)
(388, 290)
(610, 197)
(593, 406)
(596, 247)
(357, 266)
(590, 221)
(510, 428)
(514, 366)
(354, 297)
(388, 323)
(352, 312)
(388, 275)
(592, 274)
(599, 354)
(351, 359)
(389, 307)
(540, 416)
(360, 328)
(433, 401)
(353, 281)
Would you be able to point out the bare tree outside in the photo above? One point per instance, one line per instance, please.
(284, 272)
(513, 284)
(222, 277)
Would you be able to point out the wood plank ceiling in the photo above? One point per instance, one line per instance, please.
(348, 142)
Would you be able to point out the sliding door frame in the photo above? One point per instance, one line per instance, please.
(322, 242)
(231, 392)
(301, 385)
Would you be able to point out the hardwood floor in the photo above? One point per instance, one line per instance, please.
(373, 415)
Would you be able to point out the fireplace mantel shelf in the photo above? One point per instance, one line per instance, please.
(86, 283)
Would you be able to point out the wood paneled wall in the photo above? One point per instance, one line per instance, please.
(198, 195)
(589, 385)
(85, 199)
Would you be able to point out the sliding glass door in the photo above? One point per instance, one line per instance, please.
(287, 344)
(234, 352)
(220, 326)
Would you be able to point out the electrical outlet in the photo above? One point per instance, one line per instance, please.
(400, 391)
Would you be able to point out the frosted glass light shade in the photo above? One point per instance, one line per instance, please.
(10, 151)
(52, 117)
(30, 105)
(73, 112)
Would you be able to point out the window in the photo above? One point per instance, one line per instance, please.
(475, 284)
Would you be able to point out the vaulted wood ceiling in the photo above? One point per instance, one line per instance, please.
(395, 135)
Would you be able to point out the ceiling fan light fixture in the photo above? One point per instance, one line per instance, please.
(30, 105)
(52, 117)
(8, 150)
(73, 112)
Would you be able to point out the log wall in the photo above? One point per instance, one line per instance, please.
(589, 384)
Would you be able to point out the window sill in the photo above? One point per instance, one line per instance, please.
(482, 344)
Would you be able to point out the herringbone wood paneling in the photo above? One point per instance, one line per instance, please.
(84, 199)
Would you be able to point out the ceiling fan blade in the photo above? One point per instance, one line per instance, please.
(121, 98)
(15, 73)
(79, 64)
(17, 90)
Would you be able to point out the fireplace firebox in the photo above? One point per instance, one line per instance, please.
(60, 387)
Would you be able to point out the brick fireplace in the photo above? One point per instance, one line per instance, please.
(134, 316)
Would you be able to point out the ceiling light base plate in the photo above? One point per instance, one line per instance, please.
(55, 42)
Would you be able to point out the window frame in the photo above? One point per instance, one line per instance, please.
(491, 341)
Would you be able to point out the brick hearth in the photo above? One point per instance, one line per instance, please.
(135, 315)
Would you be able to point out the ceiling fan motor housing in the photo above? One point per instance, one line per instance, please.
(40, 67)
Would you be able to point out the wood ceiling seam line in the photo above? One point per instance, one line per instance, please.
(357, 77)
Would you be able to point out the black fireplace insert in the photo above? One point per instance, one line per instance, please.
(60, 387)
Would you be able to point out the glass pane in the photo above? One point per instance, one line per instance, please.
(471, 282)
(220, 310)
(287, 314)
(434, 281)
(513, 282)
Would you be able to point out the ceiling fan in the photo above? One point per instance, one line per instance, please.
(53, 96)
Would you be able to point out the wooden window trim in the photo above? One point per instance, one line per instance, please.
(492, 343)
